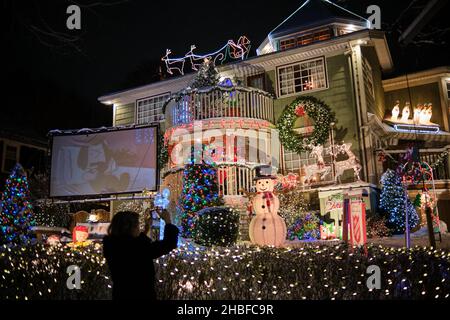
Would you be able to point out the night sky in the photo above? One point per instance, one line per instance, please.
(53, 76)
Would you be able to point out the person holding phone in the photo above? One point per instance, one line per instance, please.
(129, 254)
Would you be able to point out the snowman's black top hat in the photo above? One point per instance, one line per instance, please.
(264, 172)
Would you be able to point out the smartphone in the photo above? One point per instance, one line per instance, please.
(155, 215)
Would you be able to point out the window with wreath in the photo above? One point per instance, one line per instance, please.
(149, 110)
(303, 76)
(294, 161)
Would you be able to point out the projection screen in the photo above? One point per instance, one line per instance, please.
(121, 161)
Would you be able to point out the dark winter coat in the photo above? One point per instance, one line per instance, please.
(130, 261)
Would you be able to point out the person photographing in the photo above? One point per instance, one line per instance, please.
(129, 254)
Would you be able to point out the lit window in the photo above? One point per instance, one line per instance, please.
(149, 110)
(305, 39)
(303, 76)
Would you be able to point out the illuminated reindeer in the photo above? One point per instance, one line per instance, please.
(319, 166)
(340, 166)
(176, 61)
(193, 58)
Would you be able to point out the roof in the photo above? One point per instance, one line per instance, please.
(314, 13)
(275, 58)
(24, 137)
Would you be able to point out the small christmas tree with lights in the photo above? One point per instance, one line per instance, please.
(392, 200)
(207, 75)
(200, 190)
(16, 211)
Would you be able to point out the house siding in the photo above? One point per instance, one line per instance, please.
(124, 114)
(339, 96)
(376, 107)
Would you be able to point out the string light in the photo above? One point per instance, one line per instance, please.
(16, 211)
(38, 272)
(232, 50)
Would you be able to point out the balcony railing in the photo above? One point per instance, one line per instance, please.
(220, 102)
(233, 179)
(431, 156)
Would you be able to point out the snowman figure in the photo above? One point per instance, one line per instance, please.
(267, 227)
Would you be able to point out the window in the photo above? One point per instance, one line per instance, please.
(287, 44)
(304, 39)
(150, 109)
(256, 81)
(298, 163)
(368, 77)
(304, 76)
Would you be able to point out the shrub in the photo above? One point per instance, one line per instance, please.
(377, 227)
(216, 226)
(305, 227)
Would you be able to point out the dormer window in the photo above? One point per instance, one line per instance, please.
(305, 39)
(312, 22)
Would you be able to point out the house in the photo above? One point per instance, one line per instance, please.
(26, 149)
(321, 50)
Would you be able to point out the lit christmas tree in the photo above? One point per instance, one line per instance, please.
(392, 200)
(207, 75)
(200, 190)
(16, 211)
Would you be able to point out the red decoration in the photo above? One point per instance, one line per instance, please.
(300, 110)
(80, 234)
(288, 182)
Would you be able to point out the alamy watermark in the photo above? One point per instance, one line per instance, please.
(74, 279)
(374, 280)
(73, 21)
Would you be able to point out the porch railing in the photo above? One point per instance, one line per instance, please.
(222, 103)
(431, 156)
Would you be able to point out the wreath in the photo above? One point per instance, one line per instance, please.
(317, 110)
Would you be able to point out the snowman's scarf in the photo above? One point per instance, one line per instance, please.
(266, 195)
(269, 197)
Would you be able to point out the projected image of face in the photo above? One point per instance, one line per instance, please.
(119, 161)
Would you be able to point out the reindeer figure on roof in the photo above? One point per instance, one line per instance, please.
(193, 58)
(173, 64)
